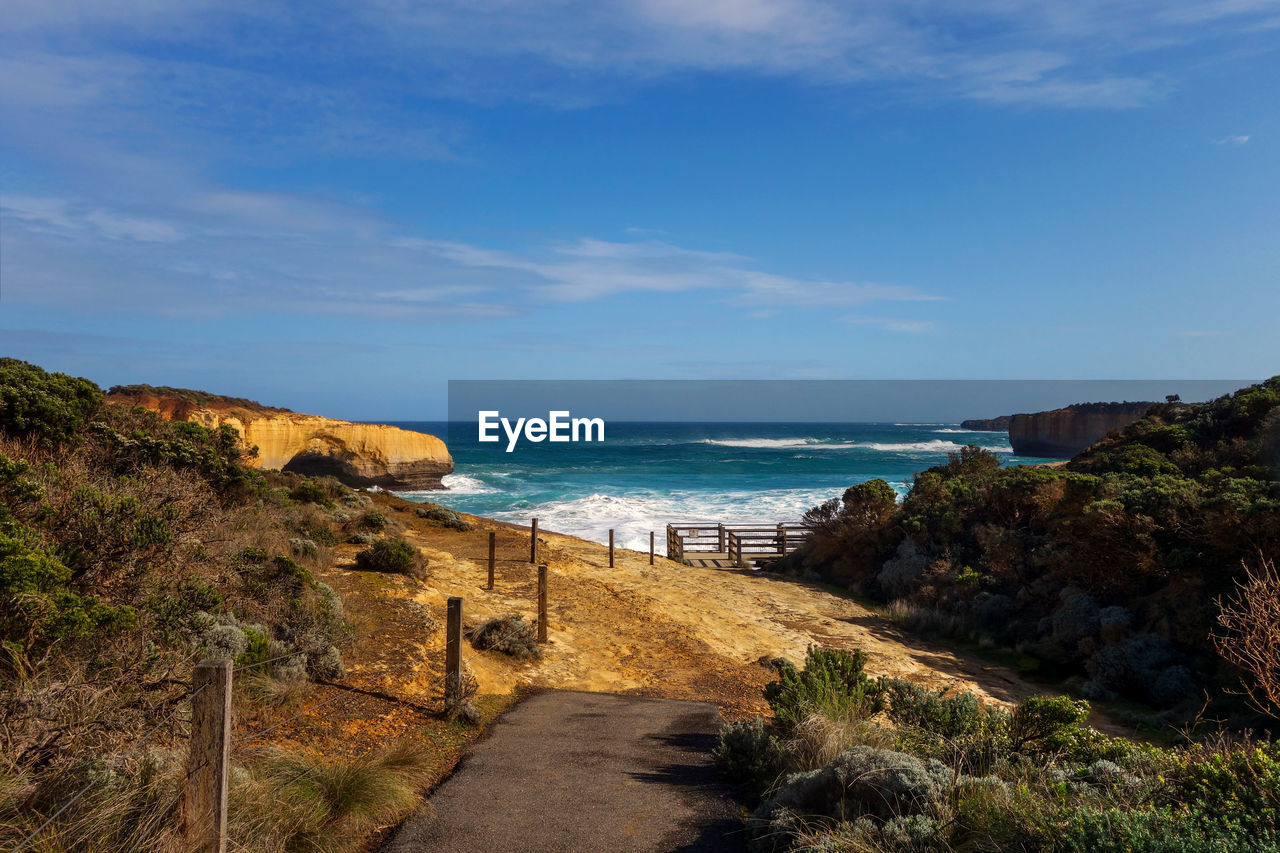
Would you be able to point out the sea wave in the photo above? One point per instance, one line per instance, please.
(936, 445)
(632, 517)
(461, 484)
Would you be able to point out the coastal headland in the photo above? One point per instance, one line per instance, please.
(357, 454)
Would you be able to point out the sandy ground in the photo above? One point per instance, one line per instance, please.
(666, 630)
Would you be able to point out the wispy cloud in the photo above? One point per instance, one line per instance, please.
(1233, 140)
(272, 252)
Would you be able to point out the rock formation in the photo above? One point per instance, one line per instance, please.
(359, 455)
(1062, 433)
(999, 424)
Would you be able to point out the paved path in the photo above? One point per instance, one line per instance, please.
(588, 772)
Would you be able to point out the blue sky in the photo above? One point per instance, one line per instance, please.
(337, 207)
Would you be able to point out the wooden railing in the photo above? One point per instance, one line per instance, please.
(739, 542)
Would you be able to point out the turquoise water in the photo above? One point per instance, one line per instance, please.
(645, 475)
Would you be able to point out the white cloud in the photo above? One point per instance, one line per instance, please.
(239, 250)
(1233, 140)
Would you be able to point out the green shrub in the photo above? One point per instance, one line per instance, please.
(51, 407)
(1044, 724)
(374, 520)
(1159, 830)
(932, 710)
(445, 516)
(1240, 784)
(748, 755)
(311, 491)
(391, 555)
(38, 610)
(832, 682)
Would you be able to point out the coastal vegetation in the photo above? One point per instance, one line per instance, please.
(131, 547)
(1111, 571)
(886, 766)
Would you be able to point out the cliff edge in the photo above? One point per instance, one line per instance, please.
(358, 455)
(1062, 433)
(999, 424)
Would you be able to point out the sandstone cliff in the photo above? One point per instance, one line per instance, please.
(999, 424)
(1062, 433)
(359, 455)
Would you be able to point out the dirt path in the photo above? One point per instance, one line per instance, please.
(565, 772)
(668, 630)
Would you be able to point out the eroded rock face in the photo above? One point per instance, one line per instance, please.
(1062, 433)
(359, 455)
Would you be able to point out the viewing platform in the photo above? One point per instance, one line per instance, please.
(739, 546)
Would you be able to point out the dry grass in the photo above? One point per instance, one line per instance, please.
(820, 737)
(283, 801)
(510, 635)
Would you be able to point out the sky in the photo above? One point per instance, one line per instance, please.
(338, 207)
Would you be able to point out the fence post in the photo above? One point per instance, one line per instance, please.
(209, 759)
(611, 547)
(542, 604)
(651, 547)
(720, 538)
(782, 540)
(533, 542)
(493, 551)
(453, 652)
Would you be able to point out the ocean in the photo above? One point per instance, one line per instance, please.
(645, 475)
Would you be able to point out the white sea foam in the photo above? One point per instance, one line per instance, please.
(761, 442)
(783, 443)
(633, 517)
(952, 430)
(461, 484)
(936, 445)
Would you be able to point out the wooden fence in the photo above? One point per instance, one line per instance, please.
(739, 544)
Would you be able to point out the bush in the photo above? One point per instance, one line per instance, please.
(299, 547)
(311, 491)
(374, 520)
(445, 516)
(862, 781)
(391, 555)
(1046, 724)
(748, 755)
(356, 500)
(932, 710)
(38, 609)
(510, 635)
(832, 682)
(50, 407)
(362, 537)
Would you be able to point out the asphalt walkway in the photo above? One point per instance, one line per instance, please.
(588, 772)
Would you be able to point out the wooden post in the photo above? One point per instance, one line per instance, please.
(209, 760)
(493, 552)
(533, 542)
(651, 547)
(720, 539)
(611, 547)
(542, 604)
(453, 652)
(784, 541)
